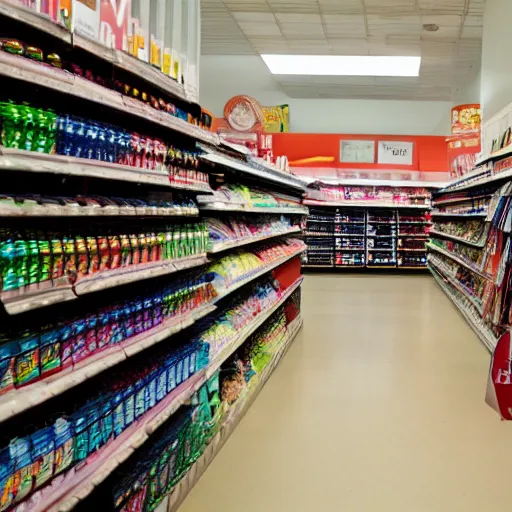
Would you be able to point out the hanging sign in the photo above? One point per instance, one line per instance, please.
(392, 152)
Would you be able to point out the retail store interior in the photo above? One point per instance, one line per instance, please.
(255, 255)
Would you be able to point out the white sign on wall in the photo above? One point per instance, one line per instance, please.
(357, 151)
(393, 152)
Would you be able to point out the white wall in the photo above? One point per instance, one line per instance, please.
(225, 76)
(496, 87)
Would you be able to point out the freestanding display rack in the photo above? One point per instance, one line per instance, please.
(149, 284)
(375, 225)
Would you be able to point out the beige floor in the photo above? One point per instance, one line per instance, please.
(378, 406)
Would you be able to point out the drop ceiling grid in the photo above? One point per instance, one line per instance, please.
(354, 27)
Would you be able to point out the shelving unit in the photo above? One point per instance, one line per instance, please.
(88, 297)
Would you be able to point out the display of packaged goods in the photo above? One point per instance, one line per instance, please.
(399, 196)
(472, 231)
(30, 129)
(34, 205)
(227, 233)
(241, 197)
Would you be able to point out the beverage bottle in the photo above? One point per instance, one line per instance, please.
(176, 242)
(135, 249)
(126, 252)
(115, 251)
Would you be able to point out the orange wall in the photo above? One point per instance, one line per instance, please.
(430, 152)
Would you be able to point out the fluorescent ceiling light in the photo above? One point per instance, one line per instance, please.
(342, 65)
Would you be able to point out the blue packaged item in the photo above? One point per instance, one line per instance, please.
(79, 341)
(64, 443)
(79, 143)
(27, 361)
(93, 421)
(129, 405)
(106, 421)
(91, 141)
(91, 334)
(8, 352)
(81, 442)
(148, 313)
(50, 351)
(43, 455)
(118, 415)
(186, 367)
(104, 330)
(19, 449)
(7, 481)
(111, 146)
(158, 316)
(129, 319)
(139, 317)
(140, 397)
(117, 325)
(161, 385)
(171, 374)
(151, 389)
(179, 372)
(101, 148)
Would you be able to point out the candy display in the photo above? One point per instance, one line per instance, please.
(31, 129)
(29, 259)
(243, 197)
(241, 265)
(30, 461)
(358, 237)
(239, 230)
(31, 52)
(35, 353)
(380, 195)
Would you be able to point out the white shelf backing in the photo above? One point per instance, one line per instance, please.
(367, 204)
(275, 176)
(223, 246)
(485, 335)
(233, 207)
(22, 300)
(461, 185)
(39, 74)
(75, 485)
(31, 161)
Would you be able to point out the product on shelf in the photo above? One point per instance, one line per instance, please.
(30, 129)
(246, 198)
(473, 231)
(33, 259)
(235, 229)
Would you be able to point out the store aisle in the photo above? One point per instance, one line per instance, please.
(378, 406)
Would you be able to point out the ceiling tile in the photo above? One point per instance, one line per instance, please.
(267, 17)
(298, 6)
(259, 29)
(390, 7)
(442, 6)
(302, 29)
(283, 17)
(379, 25)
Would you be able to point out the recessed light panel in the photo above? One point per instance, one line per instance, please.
(342, 65)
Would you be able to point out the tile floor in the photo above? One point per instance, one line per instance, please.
(378, 406)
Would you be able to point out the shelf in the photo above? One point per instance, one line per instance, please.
(40, 74)
(278, 177)
(223, 246)
(126, 62)
(341, 223)
(460, 200)
(22, 399)
(48, 293)
(380, 236)
(264, 270)
(372, 249)
(334, 235)
(403, 267)
(497, 155)
(75, 485)
(412, 250)
(305, 265)
(457, 239)
(361, 182)
(459, 215)
(417, 235)
(374, 204)
(483, 332)
(226, 207)
(382, 223)
(30, 208)
(425, 223)
(35, 20)
(457, 285)
(458, 260)
(381, 266)
(349, 249)
(31, 161)
(232, 419)
(455, 187)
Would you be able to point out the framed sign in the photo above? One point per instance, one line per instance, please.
(393, 152)
(357, 151)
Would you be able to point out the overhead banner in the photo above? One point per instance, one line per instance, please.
(466, 119)
(392, 152)
(276, 119)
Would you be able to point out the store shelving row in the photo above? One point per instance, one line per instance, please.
(228, 426)
(366, 238)
(75, 486)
